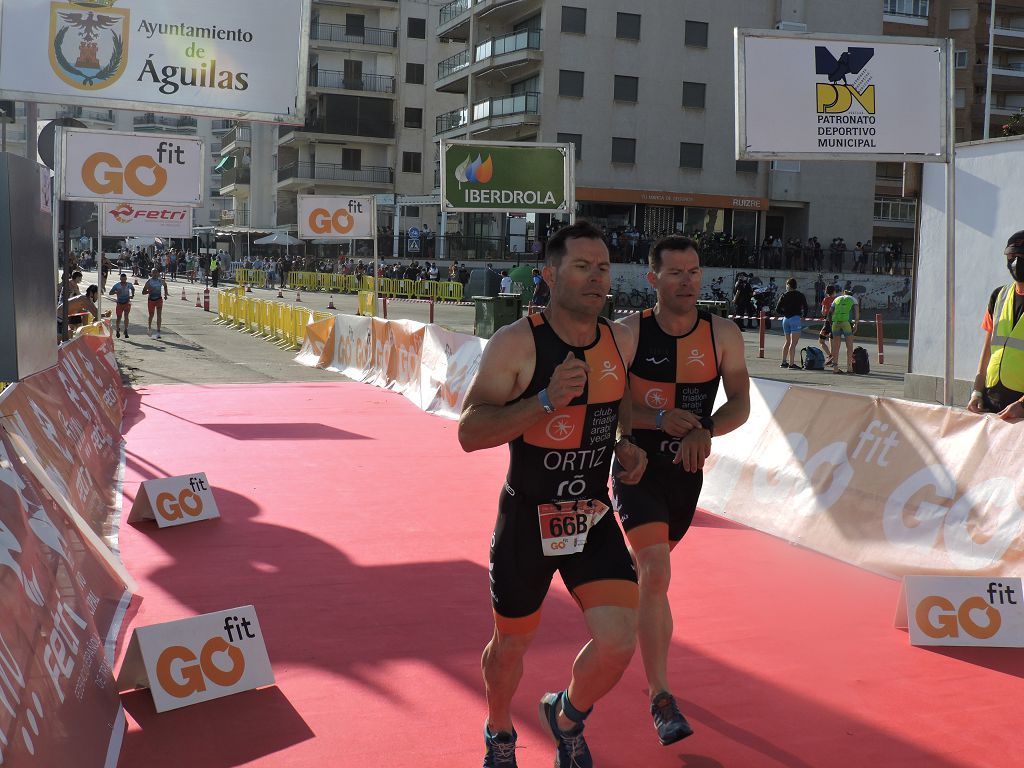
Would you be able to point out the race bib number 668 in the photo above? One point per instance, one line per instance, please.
(564, 525)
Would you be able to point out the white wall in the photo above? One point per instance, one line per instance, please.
(989, 208)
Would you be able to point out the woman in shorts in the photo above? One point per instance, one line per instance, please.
(793, 308)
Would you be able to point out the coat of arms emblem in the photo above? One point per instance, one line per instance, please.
(88, 42)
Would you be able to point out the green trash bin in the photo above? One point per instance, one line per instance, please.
(493, 312)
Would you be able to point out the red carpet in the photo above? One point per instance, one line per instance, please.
(359, 530)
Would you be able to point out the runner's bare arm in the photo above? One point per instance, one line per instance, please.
(735, 379)
(504, 372)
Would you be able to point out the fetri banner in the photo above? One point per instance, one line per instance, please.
(506, 176)
(239, 59)
(137, 220)
(61, 601)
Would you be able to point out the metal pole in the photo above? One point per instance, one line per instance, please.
(99, 275)
(397, 219)
(988, 74)
(58, 191)
(31, 131)
(947, 383)
(376, 252)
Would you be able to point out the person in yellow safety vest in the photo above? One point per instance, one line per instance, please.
(999, 385)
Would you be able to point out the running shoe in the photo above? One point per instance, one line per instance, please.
(668, 720)
(157, 335)
(119, 333)
(501, 749)
(126, 334)
(784, 364)
(571, 748)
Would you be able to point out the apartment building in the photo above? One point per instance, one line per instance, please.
(367, 94)
(967, 23)
(646, 95)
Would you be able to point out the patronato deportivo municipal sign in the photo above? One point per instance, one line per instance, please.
(838, 97)
(506, 176)
(232, 58)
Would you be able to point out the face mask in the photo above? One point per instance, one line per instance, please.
(1016, 268)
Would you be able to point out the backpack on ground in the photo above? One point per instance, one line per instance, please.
(812, 359)
(860, 361)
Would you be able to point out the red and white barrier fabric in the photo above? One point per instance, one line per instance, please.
(63, 591)
(892, 486)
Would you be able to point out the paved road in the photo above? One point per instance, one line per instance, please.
(195, 350)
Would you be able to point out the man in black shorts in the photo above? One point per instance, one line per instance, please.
(681, 355)
(551, 386)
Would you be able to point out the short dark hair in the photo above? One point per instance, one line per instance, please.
(791, 283)
(670, 243)
(92, 289)
(558, 244)
(830, 290)
(76, 275)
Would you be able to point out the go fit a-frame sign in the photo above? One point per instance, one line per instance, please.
(832, 97)
(507, 176)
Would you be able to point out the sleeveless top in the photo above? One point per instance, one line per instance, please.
(673, 372)
(567, 455)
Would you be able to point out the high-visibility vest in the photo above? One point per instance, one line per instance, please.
(1006, 359)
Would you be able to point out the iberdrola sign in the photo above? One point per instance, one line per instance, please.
(506, 176)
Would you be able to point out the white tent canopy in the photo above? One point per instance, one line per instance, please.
(278, 238)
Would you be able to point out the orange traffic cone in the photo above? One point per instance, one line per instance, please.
(330, 304)
(198, 304)
(298, 295)
(183, 296)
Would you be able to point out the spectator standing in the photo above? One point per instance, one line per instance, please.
(825, 334)
(742, 299)
(845, 316)
(793, 308)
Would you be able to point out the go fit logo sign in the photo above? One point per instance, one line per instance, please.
(335, 217)
(965, 610)
(145, 176)
(181, 673)
(175, 500)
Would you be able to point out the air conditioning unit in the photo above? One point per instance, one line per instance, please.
(791, 26)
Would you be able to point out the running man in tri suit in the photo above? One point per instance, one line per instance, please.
(551, 386)
(681, 355)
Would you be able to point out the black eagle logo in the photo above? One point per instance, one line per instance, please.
(850, 62)
(89, 23)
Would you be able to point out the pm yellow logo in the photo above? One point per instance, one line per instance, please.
(88, 43)
(837, 95)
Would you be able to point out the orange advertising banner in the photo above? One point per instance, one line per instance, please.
(61, 603)
(69, 417)
(397, 345)
(892, 486)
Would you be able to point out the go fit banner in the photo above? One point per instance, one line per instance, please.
(198, 659)
(892, 486)
(336, 218)
(104, 166)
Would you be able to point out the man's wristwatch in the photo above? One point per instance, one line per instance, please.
(708, 423)
(545, 401)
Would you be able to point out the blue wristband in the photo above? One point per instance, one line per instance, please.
(545, 401)
(658, 419)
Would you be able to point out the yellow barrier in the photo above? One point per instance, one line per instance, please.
(251, 277)
(449, 292)
(367, 304)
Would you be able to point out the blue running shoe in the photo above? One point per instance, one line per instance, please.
(668, 720)
(572, 750)
(501, 749)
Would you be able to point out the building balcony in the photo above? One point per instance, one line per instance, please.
(350, 4)
(453, 73)
(222, 126)
(914, 12)
(505, 118)
(238, 217)
(1005, 77)
(342, 36)
(238, 137)
(232, 178)
(104, 116)
(341, 81)
(169, 123)
(300, 175)
(453, 20)
(345, 125)
(510, 56)
(456, 120)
